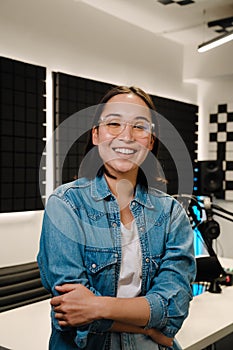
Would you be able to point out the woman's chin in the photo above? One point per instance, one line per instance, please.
(121, 167)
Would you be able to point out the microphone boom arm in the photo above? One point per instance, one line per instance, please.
(222, 216)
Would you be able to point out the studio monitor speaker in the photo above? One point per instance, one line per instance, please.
(210, 178)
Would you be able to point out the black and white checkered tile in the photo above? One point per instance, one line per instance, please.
(178, 2)
(222, 25)
(221, 143)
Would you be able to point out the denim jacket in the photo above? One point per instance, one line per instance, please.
(81, 243)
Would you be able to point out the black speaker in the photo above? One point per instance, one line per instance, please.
(208, 268)
(210, 178)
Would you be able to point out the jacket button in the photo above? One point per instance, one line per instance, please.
(147, 260)
(114, 224)
(93, 266)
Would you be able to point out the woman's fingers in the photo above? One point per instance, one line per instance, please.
(60, 316)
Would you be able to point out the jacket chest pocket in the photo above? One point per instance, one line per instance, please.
(101, 269)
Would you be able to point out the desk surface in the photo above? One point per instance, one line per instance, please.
(26, 327)
(210, 319)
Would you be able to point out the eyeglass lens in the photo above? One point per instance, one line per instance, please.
(140, 128)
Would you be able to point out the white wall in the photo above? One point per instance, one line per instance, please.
(215, 63)
(19, 237)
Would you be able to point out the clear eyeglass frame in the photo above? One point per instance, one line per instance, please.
(140, 128)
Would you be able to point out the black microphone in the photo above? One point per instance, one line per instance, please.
(209, 228)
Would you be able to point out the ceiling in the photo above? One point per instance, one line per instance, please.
(88, 19)
(185, 22)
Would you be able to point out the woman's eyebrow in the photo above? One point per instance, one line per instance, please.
(112, 115)
(139, 117)
(142, 117)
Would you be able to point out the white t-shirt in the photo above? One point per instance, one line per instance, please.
(130, 279)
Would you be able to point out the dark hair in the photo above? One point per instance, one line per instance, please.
(94, 165)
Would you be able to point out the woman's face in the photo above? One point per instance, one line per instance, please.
(124, 134)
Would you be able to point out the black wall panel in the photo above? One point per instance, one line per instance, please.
(73, 94)
(22, 129)
(183, 117)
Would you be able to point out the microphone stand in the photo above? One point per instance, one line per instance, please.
(217, 207)
(210, 230)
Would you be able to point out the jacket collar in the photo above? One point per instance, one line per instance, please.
(100, 190)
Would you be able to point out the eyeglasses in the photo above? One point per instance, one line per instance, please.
(140, 128)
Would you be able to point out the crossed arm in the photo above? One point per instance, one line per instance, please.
(77, 306)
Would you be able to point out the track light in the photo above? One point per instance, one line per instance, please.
(222, 39)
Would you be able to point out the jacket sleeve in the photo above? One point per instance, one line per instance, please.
(60, 257)
(170, 292)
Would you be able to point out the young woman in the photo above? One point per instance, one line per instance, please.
(116, 253)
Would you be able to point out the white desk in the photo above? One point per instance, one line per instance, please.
(210, 319)
(26, 327)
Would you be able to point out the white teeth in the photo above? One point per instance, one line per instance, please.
(124, 150)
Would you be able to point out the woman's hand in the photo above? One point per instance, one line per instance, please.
(76, 305)
(159, 337)
(153, 333)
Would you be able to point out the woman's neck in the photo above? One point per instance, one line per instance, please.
(122, 185)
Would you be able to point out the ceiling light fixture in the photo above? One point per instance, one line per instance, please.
(220, 40)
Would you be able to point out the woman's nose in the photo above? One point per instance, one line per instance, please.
(127, 133)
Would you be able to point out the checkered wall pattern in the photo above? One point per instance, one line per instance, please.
(178, 2)
(221, 143)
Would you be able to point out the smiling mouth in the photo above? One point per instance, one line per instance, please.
(127, 151)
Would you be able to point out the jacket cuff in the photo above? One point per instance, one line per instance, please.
(99, 326)
(158, 311)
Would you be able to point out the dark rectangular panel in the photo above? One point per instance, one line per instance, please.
(72, 94)
(22, 132)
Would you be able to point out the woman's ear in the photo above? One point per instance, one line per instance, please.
(95, 136)
(152, 141)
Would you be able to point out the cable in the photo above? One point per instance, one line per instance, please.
(217, 207)
(222, 216)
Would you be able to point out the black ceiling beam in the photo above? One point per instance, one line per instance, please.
(224, 22)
